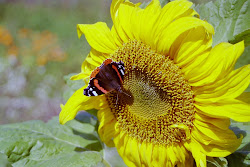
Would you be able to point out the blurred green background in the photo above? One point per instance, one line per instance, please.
(38, 46)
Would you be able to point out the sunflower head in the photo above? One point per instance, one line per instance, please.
(177, 93)
(160, 96)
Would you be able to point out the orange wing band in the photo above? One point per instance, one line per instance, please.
(107, 61)
(94, 73)
(98, 86)
(114, 67)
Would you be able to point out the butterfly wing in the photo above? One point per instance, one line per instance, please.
(121, 68)
(93, 88)
(106, 78)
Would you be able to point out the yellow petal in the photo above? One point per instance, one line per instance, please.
(82, 75)
(115, 6)
(155, 155)
(221, 123)
(131, 151)
(132, 22)
(229, 87)
(116, 36)
(162, 156)
(170, 12)
(122, 143)
(176, 28)
(146, 149)
(136, 23)
(106, 127)
(93, 60)
(148, 19)
(171, 155)
(137, 153)
(208, 134)
(180, 152)
(122, 24)
(218, 64)
(96, 58)
(195, 148)
(190, 48)
(79, 102)
(162, 151)
(232, 108)
(119, 139)
(98, 36)
(121, 13)
(215, 146)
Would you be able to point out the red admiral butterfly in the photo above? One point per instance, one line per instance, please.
(106, 78)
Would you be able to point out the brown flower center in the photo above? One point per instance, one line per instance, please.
(161, 99)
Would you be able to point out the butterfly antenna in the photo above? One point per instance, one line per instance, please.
(120, 90)
(126, 94)
(116, 100)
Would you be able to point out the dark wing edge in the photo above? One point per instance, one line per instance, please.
(120, 68)
(92, 90)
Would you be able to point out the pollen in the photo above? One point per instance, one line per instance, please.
(161, 100)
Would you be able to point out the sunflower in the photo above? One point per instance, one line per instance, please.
(183, 90)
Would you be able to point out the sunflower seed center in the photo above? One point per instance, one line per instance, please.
(161, 99)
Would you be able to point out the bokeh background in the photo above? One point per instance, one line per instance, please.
(38, 47)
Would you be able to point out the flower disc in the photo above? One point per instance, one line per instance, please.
(161, 99)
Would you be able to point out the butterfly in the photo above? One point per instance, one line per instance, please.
(106, 78)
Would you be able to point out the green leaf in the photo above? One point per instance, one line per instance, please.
(216, 162)
(244, 58)
(242, 156)
(231, 22)
(164, 2)
(145, 4)
(229, 18)
(89, 117)
(35, 143)
(112, 157)
(73, 159)
(242, 128)
(239, 159)
(4, 161)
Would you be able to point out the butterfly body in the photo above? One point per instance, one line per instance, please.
(106, 78)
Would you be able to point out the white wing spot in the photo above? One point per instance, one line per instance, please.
(122, 71)
(94, 93)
